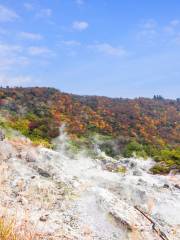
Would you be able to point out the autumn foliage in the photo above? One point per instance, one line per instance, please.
(40, 111)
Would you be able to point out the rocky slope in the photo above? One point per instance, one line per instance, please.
(66, 196)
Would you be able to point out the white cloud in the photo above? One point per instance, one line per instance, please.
(148, 30)
(31, 36)
(148, 35)
(9, 49)
(175, 22)
(149, 24)
(71, 43)
(80, 25)
(39, 51)
(177, 40)
(7, 80)
(108, 49)
(79, 2)
(43, 13)
(10, 62)
(172, 26)
(7, 14)
(12, 56)
(28, 6)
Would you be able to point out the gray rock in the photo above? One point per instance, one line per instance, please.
(177, 186)
(30, 157)
(43, 173)
(44, 218)
(132, 165)
(137, 173)
(2, 135)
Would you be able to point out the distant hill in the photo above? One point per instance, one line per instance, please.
(38, 112)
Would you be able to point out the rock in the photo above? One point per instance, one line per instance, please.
(7, 151)
(137, 173)
(132, 165)
(2, 135)
(142, 195)
(43, 173)
(30, 157)
(110, 167)
(166, 186)
(44, 218)
(22, 200)
(124, 215)
(177, 186)
(87, 231)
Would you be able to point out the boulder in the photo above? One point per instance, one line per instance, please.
(125, 216)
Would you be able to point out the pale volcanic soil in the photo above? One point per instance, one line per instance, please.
(66, 196)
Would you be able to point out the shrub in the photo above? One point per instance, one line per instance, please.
(134, 148)
(167, 159)
(160, 169)
(108, 148)
(121, 169)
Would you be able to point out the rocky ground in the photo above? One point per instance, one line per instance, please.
(69, 197)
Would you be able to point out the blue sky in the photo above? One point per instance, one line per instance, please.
(97, 47)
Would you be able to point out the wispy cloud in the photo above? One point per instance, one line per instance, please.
(172, 26)
(39, 51)
(28, 6)
(80, 25)
(31, 36)
(12, 62)
(148, 30)
(9, 49)
(71, 43)
(7, 14)
(177, 39)
(79, 2)
(3, 31)
(7, 80)
(173, 31)
(12, 56)
(149, 24)
(44, 13)
(109, 49)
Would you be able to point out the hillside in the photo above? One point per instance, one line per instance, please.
(79, 167)
(142, 125)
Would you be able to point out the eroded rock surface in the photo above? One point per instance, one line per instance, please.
(76, 198)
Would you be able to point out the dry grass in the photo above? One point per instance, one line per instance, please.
(10, 230)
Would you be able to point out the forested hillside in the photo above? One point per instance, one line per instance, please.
(38, 113)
